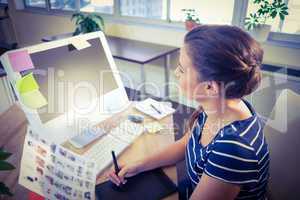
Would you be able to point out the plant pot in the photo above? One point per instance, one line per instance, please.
(261, 32)
(189, 25)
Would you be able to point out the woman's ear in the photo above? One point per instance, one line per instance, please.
(206, 90)
(212, 88)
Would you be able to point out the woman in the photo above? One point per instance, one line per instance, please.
(225, 150)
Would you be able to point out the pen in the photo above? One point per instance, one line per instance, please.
(117, 169)
(158, 111)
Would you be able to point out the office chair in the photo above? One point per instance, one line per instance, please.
(282, 132)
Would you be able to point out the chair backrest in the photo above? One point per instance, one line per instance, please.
(282, 132)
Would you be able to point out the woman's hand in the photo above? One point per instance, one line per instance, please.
(126, 170)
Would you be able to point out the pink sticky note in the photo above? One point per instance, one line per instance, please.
(20, 60)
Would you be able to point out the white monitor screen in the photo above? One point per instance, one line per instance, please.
(69, 77)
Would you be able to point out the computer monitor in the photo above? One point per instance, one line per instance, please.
(81, 86)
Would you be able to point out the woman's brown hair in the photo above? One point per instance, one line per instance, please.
(227, 55)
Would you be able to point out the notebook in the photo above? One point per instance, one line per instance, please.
(150, 185)
(153, 108)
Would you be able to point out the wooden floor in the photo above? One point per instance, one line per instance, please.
(13, 126)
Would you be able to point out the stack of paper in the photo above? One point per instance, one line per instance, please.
(55, 172)
(153, 108)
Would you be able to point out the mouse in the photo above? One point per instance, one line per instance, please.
(136, 118)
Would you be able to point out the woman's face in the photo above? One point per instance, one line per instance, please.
(189, 83)
(186, 74)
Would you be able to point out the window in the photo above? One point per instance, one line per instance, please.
(252, 8)
(3, 1)
(35, 3)
(291, 24)
(63, 4)
(101, 6)
(212, 12)
(155, 9)
(164, 12)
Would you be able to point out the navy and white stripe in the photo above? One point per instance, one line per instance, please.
(238, 154)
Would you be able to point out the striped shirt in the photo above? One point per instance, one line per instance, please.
(238, 155)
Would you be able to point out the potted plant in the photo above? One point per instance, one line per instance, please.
(256, 22)
(191, 19)
(86, 23)
(5, 166)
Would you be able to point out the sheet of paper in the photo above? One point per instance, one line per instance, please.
(33, 99)
(153, 108)
(55, 172)
(27, 84)
(80, 44)
(20, 60)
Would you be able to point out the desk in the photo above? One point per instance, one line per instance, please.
(12, 133)
(137, 52)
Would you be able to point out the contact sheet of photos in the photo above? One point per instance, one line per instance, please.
(55, 172)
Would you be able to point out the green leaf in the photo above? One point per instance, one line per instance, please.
(284, 12)
(281, 16)
(248, 27)
(77, 31)
(5, 166)
(99, 21)
(261, 12)
(282, 5)
(4, 155)
(273, 14)
(78, 20)
(93, 26)
(77, 15)
(4, 190)
(84, 29)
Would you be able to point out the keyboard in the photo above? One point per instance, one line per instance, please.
(118, 139)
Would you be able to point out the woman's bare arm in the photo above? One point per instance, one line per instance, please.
(167, 156)
(213, 189)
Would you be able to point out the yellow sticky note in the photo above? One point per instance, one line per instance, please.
(27, 84)
(33, 99)
(80, 44)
